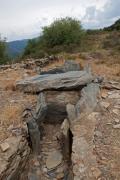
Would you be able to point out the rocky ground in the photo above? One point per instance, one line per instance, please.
(12, 103)
(98, 141)
(106, 138)
(95, 151)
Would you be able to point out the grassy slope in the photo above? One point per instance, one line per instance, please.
(104, 59)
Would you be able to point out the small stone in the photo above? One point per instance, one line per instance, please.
(4, 146)
(32, 176)
(114, 96)
(45, 170)
(10, 128)
(109, 123)
(54, 159)
(116, 111)
(117, 126)
(96, 172)
(117, 120)
(98, 133)
(110, 92)
(117, 106)
(65, 127)
(71, 112)
(105, 104)
(25, 113)
(104, 94)
(60, 176)
(36, 163)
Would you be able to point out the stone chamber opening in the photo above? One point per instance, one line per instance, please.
(53, 161)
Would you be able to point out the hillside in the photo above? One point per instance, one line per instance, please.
(94, 39)
(90, 41)
(16, 48)
(115, 26)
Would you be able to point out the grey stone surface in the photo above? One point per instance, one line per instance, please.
(65, 81)
(56, 104)
(88, 100)
(65, 127)
(34, 134)
(12, 161)
(4, 146)
(53, 71)
(41, 108)
(111, 85)
(69, 65)
(71, 112)
(54, 159)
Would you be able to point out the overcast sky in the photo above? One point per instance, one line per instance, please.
(21, 19)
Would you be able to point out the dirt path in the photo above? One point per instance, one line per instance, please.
(50, 163)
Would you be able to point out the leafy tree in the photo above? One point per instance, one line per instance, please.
(65, 31)
(3, 57)
(62, 35)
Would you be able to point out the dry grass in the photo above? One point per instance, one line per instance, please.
(10, 85)
(58, 63)
(11, 110)
(12, 103)
(108, 68)
(110, 72)
(11, 114)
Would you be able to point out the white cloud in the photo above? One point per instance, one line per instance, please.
(99, 18)
(24, 18)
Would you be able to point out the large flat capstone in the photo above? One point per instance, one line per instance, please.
(64, 81)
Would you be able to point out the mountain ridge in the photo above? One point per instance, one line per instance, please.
(16, 48)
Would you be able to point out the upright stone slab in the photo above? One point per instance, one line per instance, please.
(34, 134)
(88, 100)
(41, 108)
(69, 65)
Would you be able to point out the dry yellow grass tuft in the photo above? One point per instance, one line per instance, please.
(99, 67)
(10, 85)
(12, 103)
(11, 114)
(58, 63)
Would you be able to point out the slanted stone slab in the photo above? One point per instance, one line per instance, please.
(111, 85)
(4, 146)
(65, 81)
(54, 159)
(41, 108)
(69, 65)
(88, 100)
(34, 135)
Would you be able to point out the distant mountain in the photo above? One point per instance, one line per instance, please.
(115, 26)
(15, 48)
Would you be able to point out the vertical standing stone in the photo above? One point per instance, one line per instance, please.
(88, 100)
(41, 108)
(34, 134)
(66, 139)
(71, 112)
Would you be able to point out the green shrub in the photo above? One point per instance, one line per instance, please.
(112, 41)
(63, 35)
(3, 56)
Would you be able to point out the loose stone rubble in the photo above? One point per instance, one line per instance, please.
(31, 63)
(74, 129)
(14, 158)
